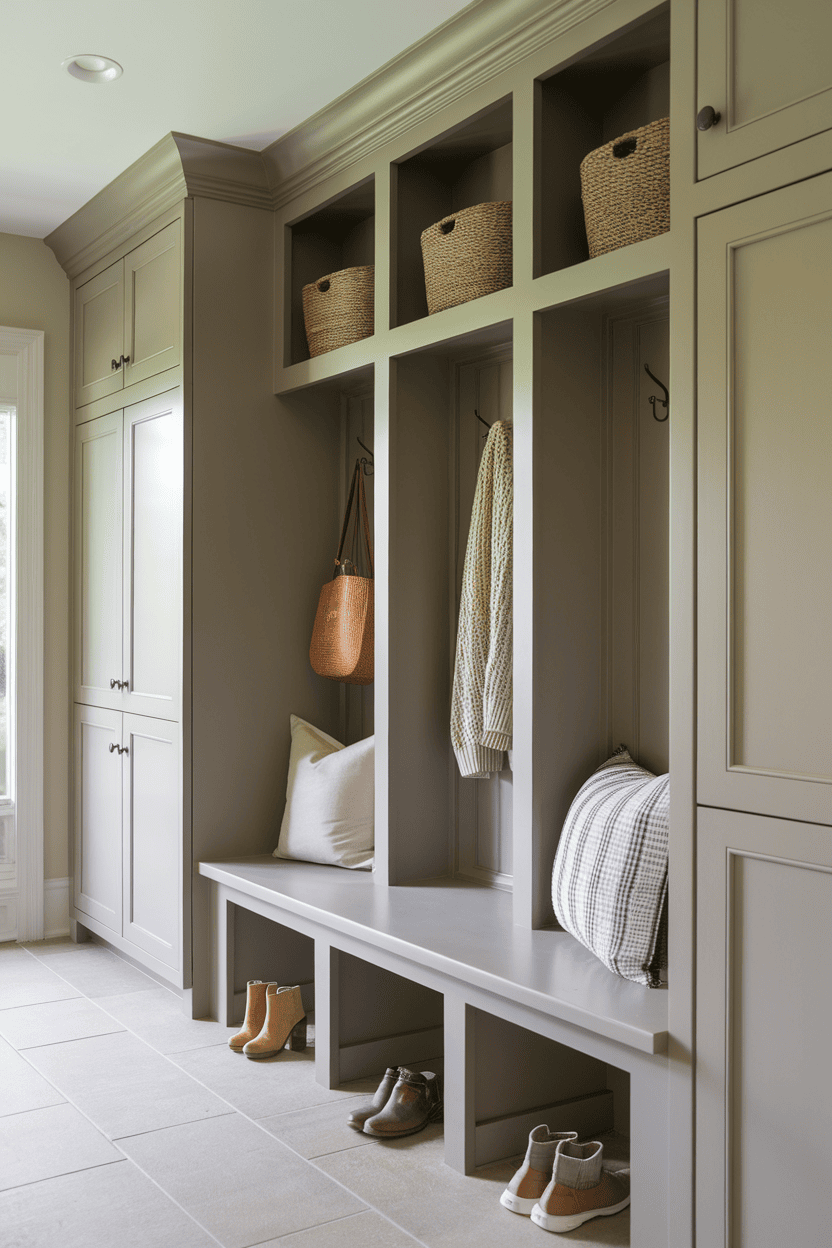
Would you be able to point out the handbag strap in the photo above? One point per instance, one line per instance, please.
(357, 478)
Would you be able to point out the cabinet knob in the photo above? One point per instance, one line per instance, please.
(707, 117)
(122, 749)
(125, 359)
(119, 684)
(115, 364)
(113, 746)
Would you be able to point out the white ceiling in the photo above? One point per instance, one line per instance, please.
(241, 71)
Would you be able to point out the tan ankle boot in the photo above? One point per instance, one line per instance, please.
(285, 1016)
(255, 1013)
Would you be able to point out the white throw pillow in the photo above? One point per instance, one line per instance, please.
(329, 800)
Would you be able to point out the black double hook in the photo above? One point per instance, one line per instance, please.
(654, 399)
(367, 464)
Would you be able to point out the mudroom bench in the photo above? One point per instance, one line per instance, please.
(530, 1025)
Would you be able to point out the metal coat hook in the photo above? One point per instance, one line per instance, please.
(483, 422)
(367, 464)
(654, 399)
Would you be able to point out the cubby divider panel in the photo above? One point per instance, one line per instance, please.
(614, 88)
(338, 235)
(472, 164)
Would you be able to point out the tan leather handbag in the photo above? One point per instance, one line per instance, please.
(343, 636)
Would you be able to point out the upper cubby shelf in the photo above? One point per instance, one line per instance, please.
(616, 87)
(338, 235)
(469, 165)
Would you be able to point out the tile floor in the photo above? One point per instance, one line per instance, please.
(123, 1122)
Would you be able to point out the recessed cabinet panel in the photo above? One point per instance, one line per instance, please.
(765, 1009)
(98, 525)
(152, 305)
(152, 837)
(765, 66)
(765, 505)
(99, 335)
(153, 556)
(98, 815)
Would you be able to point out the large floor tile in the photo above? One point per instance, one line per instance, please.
(111, 1207)
(96, 971)
(318, 1130)
(54, 944)
(407, 1180)
(158, 1016)
(260, 1089)
(360, 1230)
(124, 1085)
(21, 1087)
(240, 1183)
(43, 1143)
(28, 1026)
(25, 980)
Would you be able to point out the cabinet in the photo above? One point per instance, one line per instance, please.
(765, 68)
(128, 318)
(128, 816)
(128, 558)
(765, 507)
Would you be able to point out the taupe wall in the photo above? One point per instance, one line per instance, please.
(34, 294)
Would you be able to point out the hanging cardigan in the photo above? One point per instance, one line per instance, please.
(481, 704)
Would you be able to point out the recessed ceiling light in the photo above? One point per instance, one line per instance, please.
(90, 67)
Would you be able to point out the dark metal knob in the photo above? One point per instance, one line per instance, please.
(113, 746)
(115, 364)
(125, 359)
(707, 117)
(115, 682)
(122, 749)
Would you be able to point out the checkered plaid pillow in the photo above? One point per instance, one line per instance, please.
(609, 881)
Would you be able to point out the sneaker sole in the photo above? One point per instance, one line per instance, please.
(517, 1204)
(550, 1222)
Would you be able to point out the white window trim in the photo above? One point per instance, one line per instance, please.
(27, 346)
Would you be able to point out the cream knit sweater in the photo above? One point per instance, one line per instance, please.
(481, 705)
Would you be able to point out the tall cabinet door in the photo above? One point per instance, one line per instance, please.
(99, 335)
(153, 305)
(153, 494)
(764, 1005)
(98, 802)
(765, 505)
(152, 820)
(765, 67)
(98, 560)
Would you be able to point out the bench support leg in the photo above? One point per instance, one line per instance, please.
(460, 1065)
(327, 1048)
(649, 1155)
(225, 959)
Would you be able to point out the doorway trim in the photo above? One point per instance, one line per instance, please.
(27, 346)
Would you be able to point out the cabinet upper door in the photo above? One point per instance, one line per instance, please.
(765, 504)
(766, 67)
(98, 561)
(153, 501)
(764, 1016)
(99, 335)
(98, 800)
(153, 282)
(153, 851)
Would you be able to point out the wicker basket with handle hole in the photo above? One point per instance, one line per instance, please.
(625, 187)
(338, 308)
(467, 254)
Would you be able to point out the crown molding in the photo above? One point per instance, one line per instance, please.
(476, 45)
(179, 165)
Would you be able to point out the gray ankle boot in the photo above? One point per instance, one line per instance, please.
(414, 1102)
(359, 1116)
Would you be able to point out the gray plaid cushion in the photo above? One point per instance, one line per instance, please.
(609, 881)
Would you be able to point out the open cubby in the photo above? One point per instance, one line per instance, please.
(271, 952)
(384, 1020)
(338, 235)
(471, 164)
(523, 1079)
(601, 529)
(615, 87)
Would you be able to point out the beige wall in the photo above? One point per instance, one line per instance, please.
(34, 294)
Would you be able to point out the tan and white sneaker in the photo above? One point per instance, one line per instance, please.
(529, 1183)
(580, 1189)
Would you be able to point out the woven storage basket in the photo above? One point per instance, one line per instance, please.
(625, 186)
(467, 254)
(338, 308)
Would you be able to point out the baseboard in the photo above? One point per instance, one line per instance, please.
(508, 1136)
(370, 1057)
(55, 908)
